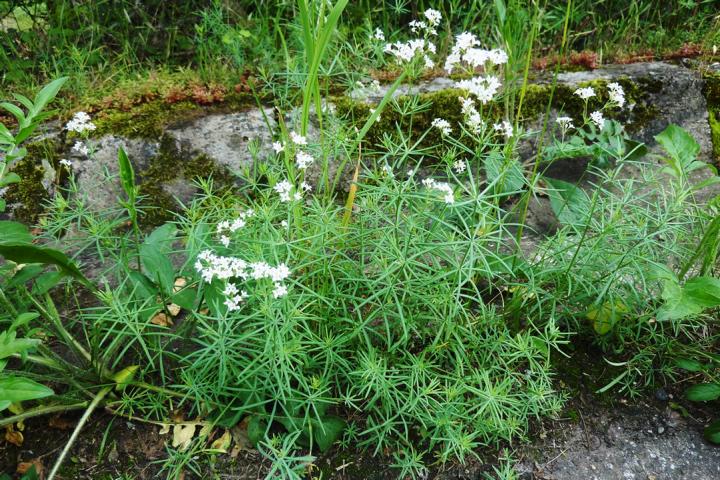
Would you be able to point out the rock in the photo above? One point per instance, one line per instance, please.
(227, 138)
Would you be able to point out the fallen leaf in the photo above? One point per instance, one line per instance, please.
(206, 430)
(182, 436)
(223, 443)
(13, 436)
(180, 283)
(173, 309)
(165, 429)
(24, 467)
(162, 320)
(240, 437)
(61, 423)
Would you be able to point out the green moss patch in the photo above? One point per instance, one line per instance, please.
(712, 95)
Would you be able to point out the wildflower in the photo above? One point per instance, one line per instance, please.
(565, 123)
(379, 35)
(81, 148)
(407, 51)
(298, 139)
(283, 188)
(280, 290)
(303, 160)
(505, 127)
(278, 147)
(372, 111)
(387, 169)
(484, 88)
(616, 94)
(465, 51)
(433, 17)
(460, 166)
(80, 123)
(585, 93)
(65, 162)
(411, 173)
(442, 125)
(443, 187)
(598, 119)
(225, 240)
(284, 223)
(306, 187)
(472, 118)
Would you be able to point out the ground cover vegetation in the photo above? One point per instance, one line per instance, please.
(365, 284)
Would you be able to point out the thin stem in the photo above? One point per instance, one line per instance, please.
(83, 420)
(44, 410)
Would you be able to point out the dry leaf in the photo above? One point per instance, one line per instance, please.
(182, 436)
(180, 283)
(206, 430)
(223, 443)
(173, 309)
(13, 436)
(161, 319)
(60, 423)
(24, 467)
(165, 429)
(240, 437)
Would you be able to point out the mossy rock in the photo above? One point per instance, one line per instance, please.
(712, 96)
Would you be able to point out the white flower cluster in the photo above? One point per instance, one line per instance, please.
(585, 93)
(442, 125)
(428, 27)
(616, 94)
(505, 127)
(285, 190)
(227, 227)
(598, 119)
(80, 123)
(303, 160)
(408, 51)
(443, 187)
(81, 148)
(466, 51)
(472, 117)
(211, 266)
(379, 35)
(460, 166)
(484, 88)
(565, 123)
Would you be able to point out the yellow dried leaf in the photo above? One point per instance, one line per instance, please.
(180, 283)
(223, 443)
(162, 320)
(165, 429)
(182, 436)
(173, 309)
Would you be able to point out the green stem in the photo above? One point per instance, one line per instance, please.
(44, 410)
(83, 420)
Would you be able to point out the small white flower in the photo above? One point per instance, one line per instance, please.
(442, 125)
(484, 88)
(283, 188)
(230, 290)
(225, 240)
(303, 160)
(443, 187)
(65, 162)
(298, 139)
(433, 17)
(80, 123)
(81, 148)
(280, 290)
(616, 94)
(598, 119)
(306, 187)
(387, 169)
(505, 127)
(585, 93)
(379, 35)
(278, 147)
(565, 123)
(284, 223)
(460, 166)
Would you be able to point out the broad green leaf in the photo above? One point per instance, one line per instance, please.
(703, 392)
(14, 110)
(569, 202)
(127, 174)
(326, 431)
(604, 317)
(3, 405)
(712, 432)
(14, 232)
(23, 253)
(142, 286)
(505, 173)
(47, 94)
(255, 429)
(125, 376)
(157, 266)
(10, 345)
(46, 281)
(162, 237)
(697, 295)
(185, 298)
(23, 319)
(680, 145)
(9, 179)
(689, 364)
(19, 389)
(23, 100)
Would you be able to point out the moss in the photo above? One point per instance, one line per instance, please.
(144, 121)
(444, 104)
(29, 195)
(712, 95)
(171, 164)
